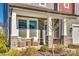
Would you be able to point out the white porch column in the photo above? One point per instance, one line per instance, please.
(44, 36)
(65, 32)
(28, 29)
(65, 27)
(50, 39)
(14, 30)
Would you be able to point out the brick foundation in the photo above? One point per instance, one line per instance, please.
(18, 42)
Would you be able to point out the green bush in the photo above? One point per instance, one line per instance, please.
(11, 53)
(43, 48)
(3, 44)
(31, 51)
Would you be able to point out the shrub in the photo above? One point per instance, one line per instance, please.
(77, 52)
(3, 44)
(23, 52)
(31, 51)
(2, 54)
(13, 53)
(58, 48)
(70, 53)
(43, 48)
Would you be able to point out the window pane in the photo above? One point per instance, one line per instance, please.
(45, 29)
(55, 7)
(33, 24)
(22, 28)
(66, 5)
(32, 28)
(33, 32)
(41, 42)
(23, 24)
(42, 3)
(22, 33)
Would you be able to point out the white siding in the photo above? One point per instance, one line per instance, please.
(75, 34)
(77, 8)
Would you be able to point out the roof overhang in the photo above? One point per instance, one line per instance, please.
(38, 8)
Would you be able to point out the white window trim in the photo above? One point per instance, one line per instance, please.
(66, 6)
(27, 31)
(42, 5)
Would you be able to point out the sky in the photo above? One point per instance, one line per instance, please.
(1, 12)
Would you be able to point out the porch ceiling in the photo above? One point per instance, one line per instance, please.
(31, 17)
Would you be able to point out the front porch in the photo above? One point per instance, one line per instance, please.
(34, 28)
(31, 31)
(35, 32)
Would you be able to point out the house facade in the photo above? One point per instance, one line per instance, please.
(37, 24)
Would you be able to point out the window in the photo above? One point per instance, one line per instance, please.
(27, 26)
(41, 42)
(66, 5)
(55, 7)
(22, 24)
(22, 33)
(70, 31)
(46, 40)
(42, 4)
(33, 24)
(22, 28)
(45, 27)
(33, 28)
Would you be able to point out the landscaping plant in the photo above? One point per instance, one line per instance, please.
(31, 51)
(58, 48)
(11, 52)
(3, 44)
(43, 48)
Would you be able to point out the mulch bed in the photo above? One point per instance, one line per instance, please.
(44, 54)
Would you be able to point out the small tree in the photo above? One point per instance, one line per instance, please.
(3, 45)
